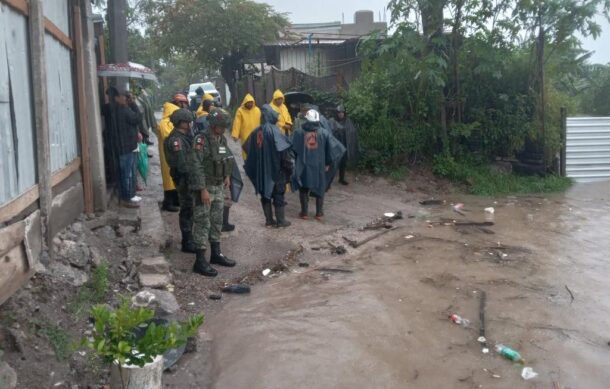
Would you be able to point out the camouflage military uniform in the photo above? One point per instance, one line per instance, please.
(177, 151)
(212, 162)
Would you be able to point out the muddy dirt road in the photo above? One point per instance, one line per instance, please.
(378, 315)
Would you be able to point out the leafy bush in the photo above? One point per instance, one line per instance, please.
(116, 334)
(482, 180)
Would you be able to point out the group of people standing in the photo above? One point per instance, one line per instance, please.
(199, 169)
(129, 119)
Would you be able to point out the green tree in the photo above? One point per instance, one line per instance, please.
(217, 34)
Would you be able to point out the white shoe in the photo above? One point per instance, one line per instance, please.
(136, 199)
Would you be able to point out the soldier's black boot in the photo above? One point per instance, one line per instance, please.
(342, 180)
(218, 258)
(188, 246)
(304, 199)
(168, 202)
(268, 213)
(226, 226)
(319, 208)
(202, 267)
(280, 215)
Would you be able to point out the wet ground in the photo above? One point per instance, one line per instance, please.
(378, 315)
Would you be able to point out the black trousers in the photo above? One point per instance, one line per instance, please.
(278, 194)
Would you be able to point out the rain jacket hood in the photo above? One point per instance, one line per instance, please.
(200, 111)
(277, 94)
(284, 116)
(165, 127)
(247, 98)
(245, 121)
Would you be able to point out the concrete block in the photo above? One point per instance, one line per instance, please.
(65, 208)
(153, 265)
(154, 281)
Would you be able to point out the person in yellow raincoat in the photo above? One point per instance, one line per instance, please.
(200, 111)
(284, 121)
(170, 196)
(247, 118)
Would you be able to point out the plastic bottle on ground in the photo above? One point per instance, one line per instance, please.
(509, 353)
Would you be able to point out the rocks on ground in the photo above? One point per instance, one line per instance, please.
(8, 376)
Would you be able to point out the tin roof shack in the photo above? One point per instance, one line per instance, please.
(323, 49)
(51, 161)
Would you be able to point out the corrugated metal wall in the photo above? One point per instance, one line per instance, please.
(17, 157)
(298, 57)
(17, 139)
(60, 92)
(60, 89)
(588, 148)
(57, 12)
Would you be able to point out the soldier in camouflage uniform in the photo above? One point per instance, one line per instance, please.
(177, 147)
(212, 163)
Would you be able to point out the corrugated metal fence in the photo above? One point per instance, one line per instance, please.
(588, 148)
(17, 154)
(262, 88)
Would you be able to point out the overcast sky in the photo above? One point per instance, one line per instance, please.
(315, 11)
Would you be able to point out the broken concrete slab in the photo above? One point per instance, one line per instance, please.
(154, 265)
(65, 273)
(77, 253)
(163, 302)
(154, 281)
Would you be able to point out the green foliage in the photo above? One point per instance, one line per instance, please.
(459, 78)
(482, 180)
(60, 340)
(595, 96)
(93, 292)
(215, 34)
(115, 337)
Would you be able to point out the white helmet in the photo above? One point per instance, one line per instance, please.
(312, 116)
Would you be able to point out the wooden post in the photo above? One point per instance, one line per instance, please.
(41, 117)
(92, 104)
(564, 135)
(82, 109)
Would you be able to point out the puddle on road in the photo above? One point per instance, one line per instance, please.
(385, 324)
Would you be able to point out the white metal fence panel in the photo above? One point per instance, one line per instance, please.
(588, 148)
(17, 157)
(60, 92)
(57, 12)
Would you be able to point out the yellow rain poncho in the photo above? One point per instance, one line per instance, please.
(200, 112)
(246, 120)
(284, 116)
(165, 127)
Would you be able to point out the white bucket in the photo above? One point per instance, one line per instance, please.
(148, 376)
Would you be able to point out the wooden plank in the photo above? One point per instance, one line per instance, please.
(14, 271)
(41, 114)
(10, 236)
(83, 121)
(20, 6)
(17, 205)
(65, 172)
(102, 56)
(58, 34)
